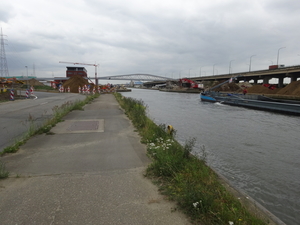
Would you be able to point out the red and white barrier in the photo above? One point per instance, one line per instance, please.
(12, 95)
(53, 85)
(79, 89)
(31, 90)
(27, 93)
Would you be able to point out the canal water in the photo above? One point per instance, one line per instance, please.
(257, 151)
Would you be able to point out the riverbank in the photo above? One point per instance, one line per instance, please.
(197, 189)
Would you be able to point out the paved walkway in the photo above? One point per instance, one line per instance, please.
(90, 171)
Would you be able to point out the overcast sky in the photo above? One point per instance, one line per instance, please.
(168, 38)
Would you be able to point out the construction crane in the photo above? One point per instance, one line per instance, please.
(87, 64)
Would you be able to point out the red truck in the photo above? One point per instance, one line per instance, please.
(273, 67)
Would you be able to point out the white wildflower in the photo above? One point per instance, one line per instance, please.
(231, 223)
(195, 204)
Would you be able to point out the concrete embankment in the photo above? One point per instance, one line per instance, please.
(253, 206)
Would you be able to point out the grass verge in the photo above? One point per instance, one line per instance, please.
(183, 177)
(59, 113)
(3, 172)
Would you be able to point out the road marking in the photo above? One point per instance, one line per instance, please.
(43, 103)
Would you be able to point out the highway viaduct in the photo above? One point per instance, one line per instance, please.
(292, 72)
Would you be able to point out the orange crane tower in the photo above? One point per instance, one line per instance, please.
(87, 64)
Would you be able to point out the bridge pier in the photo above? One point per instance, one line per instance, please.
(266, 80)
(280, 82)
(255, 80)
(294, 77)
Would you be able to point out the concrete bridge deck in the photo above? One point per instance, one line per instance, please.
(292, 72)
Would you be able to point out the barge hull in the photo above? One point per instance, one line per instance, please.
(254, 102)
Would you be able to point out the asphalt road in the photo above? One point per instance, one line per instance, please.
(17, 116)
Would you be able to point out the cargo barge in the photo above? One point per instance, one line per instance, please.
(251, 101)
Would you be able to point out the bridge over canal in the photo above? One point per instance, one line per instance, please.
(292, 72)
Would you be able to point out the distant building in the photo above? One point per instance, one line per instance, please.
(73, 71)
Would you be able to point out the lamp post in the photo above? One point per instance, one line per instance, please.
(278, 54)
(230, 66)
(200, 71)
(27, 77)
(214, 69)
(250, 62)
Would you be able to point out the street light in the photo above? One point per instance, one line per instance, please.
(250, 62)
(200, 71)
(278, 54)
(230, 66)
(27, 77)
(214, 69)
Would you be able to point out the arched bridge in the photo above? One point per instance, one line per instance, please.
(137, 77)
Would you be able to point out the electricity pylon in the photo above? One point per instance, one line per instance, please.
(3, 62)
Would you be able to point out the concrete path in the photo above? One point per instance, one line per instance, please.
(90, 171)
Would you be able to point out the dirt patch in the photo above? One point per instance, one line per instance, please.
(33, 82)
(4, 96)
(228, 87)
(292, 89)
(75, 82)
(260, 89)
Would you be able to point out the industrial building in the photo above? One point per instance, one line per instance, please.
(73, 71)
